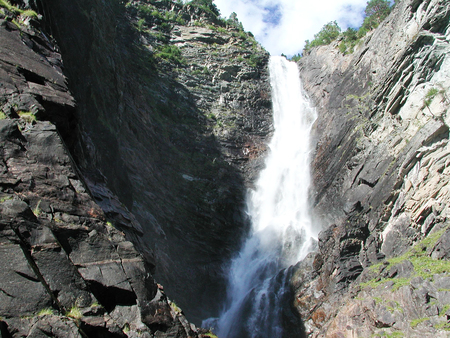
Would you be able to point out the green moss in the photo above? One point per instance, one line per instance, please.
(5, 4)
(424, 266)
(29, 14)
(417, 321)
(174, 307)
(141, 25)
(395, 334)
(444, 325)
(6, 198)
(37, 210)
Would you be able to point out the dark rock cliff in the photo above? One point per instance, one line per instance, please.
(160, 133)
(140, 122)
(380, 176)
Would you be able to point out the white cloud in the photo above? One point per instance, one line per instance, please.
(298, 19)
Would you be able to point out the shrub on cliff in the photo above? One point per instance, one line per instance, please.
(349, 40)
(375, 12)
(328, 33)
(170, 53)
(206, 5)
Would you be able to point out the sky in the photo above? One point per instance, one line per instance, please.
(282, 26)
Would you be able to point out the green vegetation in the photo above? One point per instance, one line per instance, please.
(218, 29)
(45, 312)
(444, 325)
(74, 313)
(150, 15)
(429, 97)
(141, 25)
(327, 34)
(375, 12)
(234, 22)
(424, 266)
(384, 334)
(417, 321)
(27, 116)
(6, 198)
(25, 13)
(395, 334)
(349, 41)
(174, 307)
(207, 5)
(37, 210)
(296, 57)
(396, 307)
(2, 115)
(253, 60)
(210, 335)
(171, 53)
(203, 70)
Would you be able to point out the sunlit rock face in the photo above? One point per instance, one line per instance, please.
(380, 180)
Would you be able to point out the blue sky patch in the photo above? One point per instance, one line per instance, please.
(273, 15)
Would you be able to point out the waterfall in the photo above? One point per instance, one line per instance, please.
(282, 233)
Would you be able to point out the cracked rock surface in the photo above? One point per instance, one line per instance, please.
(380, 180)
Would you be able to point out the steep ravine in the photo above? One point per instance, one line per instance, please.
(380, 176)
(130, 130)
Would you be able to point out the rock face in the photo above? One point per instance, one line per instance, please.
(135, 165)
(381, 177)
(66, 271)
(128, 160)
(173, 112)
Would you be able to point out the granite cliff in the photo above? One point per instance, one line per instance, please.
(380, 172)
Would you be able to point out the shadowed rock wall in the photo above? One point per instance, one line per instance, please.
(176, 140)
(159, 149)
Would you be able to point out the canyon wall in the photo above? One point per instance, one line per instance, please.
(130, 133)
(173, 112)
(381, 172)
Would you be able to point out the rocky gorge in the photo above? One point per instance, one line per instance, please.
(130, 131)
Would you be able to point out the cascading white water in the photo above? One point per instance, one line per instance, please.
(282, 233)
